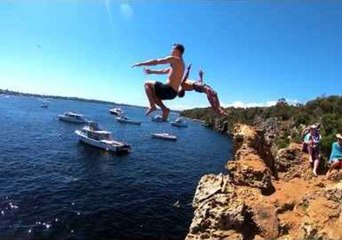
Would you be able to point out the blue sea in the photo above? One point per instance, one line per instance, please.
(54, 187)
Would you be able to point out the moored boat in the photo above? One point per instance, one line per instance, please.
(165, 136)
(123, 119)
(72, 117)
(96, 137)
(116, 111)
(44, 105)
(179, 122)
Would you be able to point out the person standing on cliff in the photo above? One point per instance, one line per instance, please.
(312, 139)
(157, 91)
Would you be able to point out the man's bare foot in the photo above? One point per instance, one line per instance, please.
(222, 112)
(165, 114)
(150, 109)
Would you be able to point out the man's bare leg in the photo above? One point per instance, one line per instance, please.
(162, 106)
(165, 113)
(215, 104)
(150, 96)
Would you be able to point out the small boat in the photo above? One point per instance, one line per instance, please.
(123, 119)
(116, 111)
(165, 136)
(44, 105)
(96, 137)
(72, 117)
(179, 122)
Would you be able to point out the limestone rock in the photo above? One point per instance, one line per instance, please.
(288, 158)
(293, 162)
(217, 207)
(219, 212)
(209, 185)
(265, 219)
(217, 235)
(323, 212)
(253, 174)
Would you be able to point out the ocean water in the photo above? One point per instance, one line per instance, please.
(54, 187)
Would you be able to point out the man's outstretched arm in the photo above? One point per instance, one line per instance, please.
(161, 71)
(155, 62)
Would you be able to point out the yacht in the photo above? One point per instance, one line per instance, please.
(44, 105)
(124, 119)
(179, 122)
(165, 136)
(72, 117)
(116, 111)
(93, 135)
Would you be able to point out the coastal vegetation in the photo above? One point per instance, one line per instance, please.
(290, 119)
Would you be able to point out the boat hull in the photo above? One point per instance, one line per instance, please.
(72, 120)
(128, 121)
(168, 138)
(178, 124)
(119, 148)
(116, 112)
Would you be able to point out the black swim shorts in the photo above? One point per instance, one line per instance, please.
(164, 91)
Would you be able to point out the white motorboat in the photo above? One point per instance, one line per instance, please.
(44, 105)
(123, 119)
(95, 136)
(165, 136)
(72, 117)
(116, 111)
(179, 122)
(158, 118)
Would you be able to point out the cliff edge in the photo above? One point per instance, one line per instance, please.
(266, 196)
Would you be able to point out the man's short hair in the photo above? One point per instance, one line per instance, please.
(179, 47)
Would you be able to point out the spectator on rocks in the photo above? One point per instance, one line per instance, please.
(336, 155)
(311, 145)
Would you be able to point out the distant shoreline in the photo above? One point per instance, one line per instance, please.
(16, 93)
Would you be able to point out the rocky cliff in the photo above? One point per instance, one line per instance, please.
(266, 196)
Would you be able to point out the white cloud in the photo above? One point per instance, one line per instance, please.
(240, 104)
(180, 107)
(126, 11)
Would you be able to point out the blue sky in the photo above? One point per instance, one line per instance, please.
(252, 52)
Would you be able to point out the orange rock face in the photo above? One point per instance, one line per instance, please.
(267, 197)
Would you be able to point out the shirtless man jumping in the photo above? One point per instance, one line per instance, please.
(157, 91)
